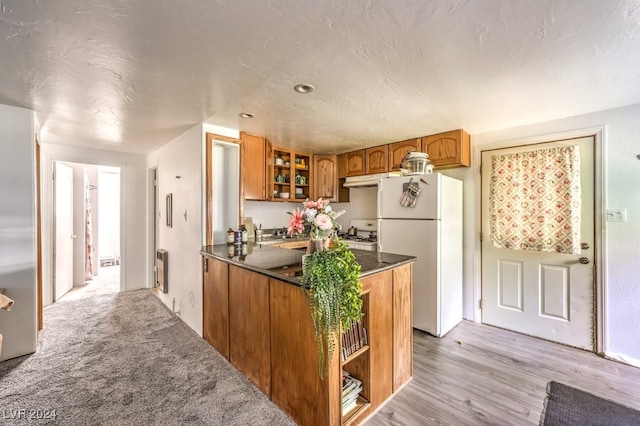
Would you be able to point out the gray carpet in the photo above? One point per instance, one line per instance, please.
(567, 406)
(125, 359)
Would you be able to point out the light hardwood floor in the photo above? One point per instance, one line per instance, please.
(482, 375)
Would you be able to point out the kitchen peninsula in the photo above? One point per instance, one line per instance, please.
(256, 315)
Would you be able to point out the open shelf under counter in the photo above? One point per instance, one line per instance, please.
(354, 355)
(353, 415)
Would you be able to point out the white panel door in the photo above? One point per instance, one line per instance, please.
(546, 295)
(63, 230)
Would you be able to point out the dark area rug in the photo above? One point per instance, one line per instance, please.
(567, 406)
(125, 359)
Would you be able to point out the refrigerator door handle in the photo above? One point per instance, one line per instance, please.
(378, 202)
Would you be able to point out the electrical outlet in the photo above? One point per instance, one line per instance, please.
(614, 215)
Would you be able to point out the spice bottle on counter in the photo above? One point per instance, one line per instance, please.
(230, 237)
(245, 234)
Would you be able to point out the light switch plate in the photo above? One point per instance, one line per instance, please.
(619, 215)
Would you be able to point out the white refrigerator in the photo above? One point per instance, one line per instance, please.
(431, 231)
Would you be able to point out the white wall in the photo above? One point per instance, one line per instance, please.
(133, 272)
(361, 205)
(182, 157)
(17, 230)
(621, 241)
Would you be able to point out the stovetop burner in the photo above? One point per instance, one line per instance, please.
(360, 238)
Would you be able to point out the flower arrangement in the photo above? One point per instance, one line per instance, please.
(317, 220)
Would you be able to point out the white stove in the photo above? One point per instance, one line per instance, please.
(366, 237)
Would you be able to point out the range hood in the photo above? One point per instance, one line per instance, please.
(368, 180)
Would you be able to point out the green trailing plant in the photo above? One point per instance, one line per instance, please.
(332, 287)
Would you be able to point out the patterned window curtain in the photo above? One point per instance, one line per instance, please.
(534, 200)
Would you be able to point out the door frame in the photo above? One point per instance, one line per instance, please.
(154, 222)
(47, 162)
(600, 257)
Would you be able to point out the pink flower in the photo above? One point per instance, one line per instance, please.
(321, 204)
(296, 223)
(309, 204)
(323, 221)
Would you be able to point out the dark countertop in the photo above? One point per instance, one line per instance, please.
(286, 264)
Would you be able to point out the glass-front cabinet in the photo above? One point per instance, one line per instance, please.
(291, 175)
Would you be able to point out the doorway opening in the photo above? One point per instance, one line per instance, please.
(86, 221)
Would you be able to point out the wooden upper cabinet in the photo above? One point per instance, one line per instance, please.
(398, 150)
(253, 166)
(352, 163)
(448, 149)
(326, 182)
(377, 159)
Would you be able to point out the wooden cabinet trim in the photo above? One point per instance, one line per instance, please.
(210, 137)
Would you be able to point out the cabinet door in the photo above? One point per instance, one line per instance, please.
(325, 177)
(448, 149)
(215, 305)
(249, 327)
(377, 159)
(398, 150)
(352, 163)
(253, 167)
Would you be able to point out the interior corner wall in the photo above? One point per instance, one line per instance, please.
(18, 230)
(133, 232)
(620, 240)
(179, 165)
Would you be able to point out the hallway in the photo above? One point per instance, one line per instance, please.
(106, 282)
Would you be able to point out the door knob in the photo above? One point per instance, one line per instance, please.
(584, 260)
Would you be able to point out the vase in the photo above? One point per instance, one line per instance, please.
(318, 245)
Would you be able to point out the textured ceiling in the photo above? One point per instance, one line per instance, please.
(130, 75)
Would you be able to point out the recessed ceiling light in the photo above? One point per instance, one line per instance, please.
(303, 88)
(246, 115)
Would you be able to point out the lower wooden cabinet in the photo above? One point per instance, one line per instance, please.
(272, 341)
(402, 326)
(215, 304)
(296, 385)
(249, 345)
